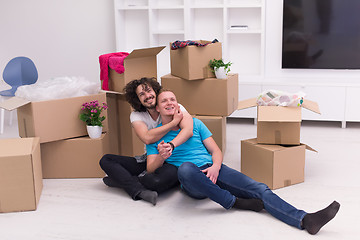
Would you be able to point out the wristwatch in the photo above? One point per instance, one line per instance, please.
(172, 145)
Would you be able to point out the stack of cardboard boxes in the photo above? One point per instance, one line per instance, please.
(196, 88)
(54, 141)
(276, 157)
(53, 144)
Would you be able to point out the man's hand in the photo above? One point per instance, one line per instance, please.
(212, 172)
(165, 150)
(178, 116)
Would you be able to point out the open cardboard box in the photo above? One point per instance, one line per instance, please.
(138, 64)
(275, 165)
(20, 174)
(52, 120)
(210, 96)
(277, 124)
(192, 62)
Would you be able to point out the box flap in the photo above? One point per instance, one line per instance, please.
(16, 146)
(311, 105)
(248, 103)
(310, 148)
(279, 114)
(145, 52)
(13, 103)
(112, 92)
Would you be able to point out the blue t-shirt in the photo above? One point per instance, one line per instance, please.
(193, 150)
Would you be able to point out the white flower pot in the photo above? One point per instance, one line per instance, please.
(94, 131)
(220, 73)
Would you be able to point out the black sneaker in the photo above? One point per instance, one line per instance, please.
(110, 182)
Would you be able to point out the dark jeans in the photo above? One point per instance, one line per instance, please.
(125, 170)
(231, 183)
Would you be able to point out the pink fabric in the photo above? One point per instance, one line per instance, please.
(114, 61)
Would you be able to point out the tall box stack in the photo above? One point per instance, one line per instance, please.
(138, 64)
(276, 157)
(209, 99)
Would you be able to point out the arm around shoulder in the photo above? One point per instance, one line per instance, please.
(186, 132)
(150, 136)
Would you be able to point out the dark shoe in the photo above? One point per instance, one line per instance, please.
(110, 182)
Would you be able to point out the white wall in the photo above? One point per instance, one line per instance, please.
(273, 45)
(62, 37)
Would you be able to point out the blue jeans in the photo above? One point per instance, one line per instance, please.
(231, 184)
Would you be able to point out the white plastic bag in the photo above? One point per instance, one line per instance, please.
(280, 98)
(57, 88)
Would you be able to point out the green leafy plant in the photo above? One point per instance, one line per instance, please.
(216, 63)
(91, 112)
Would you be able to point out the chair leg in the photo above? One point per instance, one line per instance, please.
(2, 119)
(11, 117)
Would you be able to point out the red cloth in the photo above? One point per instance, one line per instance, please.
(114, 61)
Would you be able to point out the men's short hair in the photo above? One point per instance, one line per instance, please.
(164, 90)
(130, 91)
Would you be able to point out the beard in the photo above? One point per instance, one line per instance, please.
(151, 106)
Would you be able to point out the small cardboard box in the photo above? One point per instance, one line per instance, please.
(279, 125)
(275, 165)
(75, 158)
(52, 120)
(210, 96)
(138, 64)
(217, 126)
(20, 174)
(191, 62)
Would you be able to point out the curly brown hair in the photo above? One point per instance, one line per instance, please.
(130, 91)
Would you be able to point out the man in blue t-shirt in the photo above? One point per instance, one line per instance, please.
(202, 174)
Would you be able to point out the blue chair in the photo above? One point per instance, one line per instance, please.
(19, 71)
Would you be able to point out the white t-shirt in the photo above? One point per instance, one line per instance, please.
(147, 119)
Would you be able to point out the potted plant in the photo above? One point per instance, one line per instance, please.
(220, 68)
(91, 115)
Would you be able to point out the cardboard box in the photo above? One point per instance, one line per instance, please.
(130, 144)
(210, 96)
(275, 165)
(191, 62)
(20, 174)
(52, 120)
(279, 125)
(217, 126)
(75, 158)
(122, 135)
(138, 64)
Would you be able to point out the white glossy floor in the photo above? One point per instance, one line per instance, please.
(87, 209)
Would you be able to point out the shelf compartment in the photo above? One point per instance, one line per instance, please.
(132, 4)
(128, 27)
(206, 4)
(244, 3)
(205, 27)
(167, 21)
(251, 17)
(245, 54)
(167, 4)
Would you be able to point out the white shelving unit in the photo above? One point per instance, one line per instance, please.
(150, 23)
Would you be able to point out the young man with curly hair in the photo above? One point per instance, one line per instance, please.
(130, 173)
